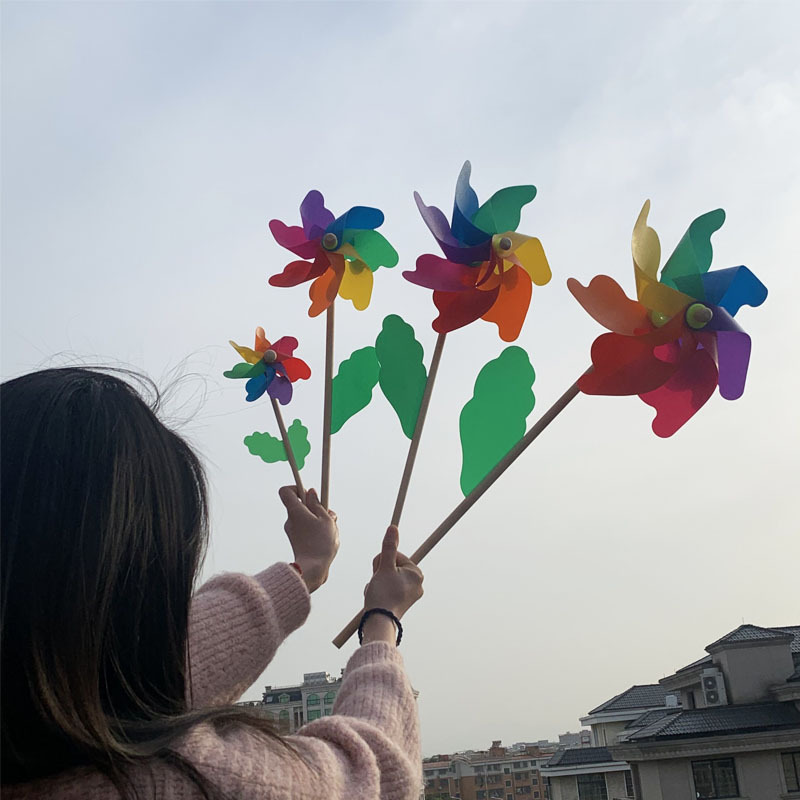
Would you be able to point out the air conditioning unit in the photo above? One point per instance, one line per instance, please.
(713, 683)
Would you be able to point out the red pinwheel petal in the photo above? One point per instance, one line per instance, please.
(625, 365)
(605, 300)
(437, 273)
(511, 306)
(457, 309)
(294, 273)
(684, 394)
(284, 347)
(296, 369)
(325, 288)
(293, 238)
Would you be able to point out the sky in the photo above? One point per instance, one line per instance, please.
(145, 147)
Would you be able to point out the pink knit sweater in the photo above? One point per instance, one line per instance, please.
(368, 749)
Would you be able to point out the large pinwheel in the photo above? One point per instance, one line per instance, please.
(339, 255)
(272, 369)
(489, 267)
(678, 341)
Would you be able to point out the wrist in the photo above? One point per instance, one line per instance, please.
(378, 628)
(311, 572)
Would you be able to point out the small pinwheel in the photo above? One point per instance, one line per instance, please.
(269, 368)
(489, 267)
(679, 340)
(339, 254)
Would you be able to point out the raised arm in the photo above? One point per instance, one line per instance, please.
(237, 622)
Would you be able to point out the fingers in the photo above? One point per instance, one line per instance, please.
(289, 497)
(388, 556)
(315, 507)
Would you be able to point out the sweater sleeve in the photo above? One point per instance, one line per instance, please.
(369, 749)
(236, 624)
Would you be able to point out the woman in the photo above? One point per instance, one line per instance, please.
(116, 681)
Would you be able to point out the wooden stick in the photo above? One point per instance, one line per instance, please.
(287, 446)
(415, 439)
(455, 515)
(326, 409)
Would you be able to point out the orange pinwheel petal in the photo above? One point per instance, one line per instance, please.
(509, 310)
(605, 300)
(324, 289)
(262, 343)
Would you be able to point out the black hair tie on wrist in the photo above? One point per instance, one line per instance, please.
(386, 613)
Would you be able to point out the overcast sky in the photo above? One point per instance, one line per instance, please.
(145, 148)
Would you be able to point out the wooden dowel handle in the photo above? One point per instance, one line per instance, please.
(324, 489)
(287, 446)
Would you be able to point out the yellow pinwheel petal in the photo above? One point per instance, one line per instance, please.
(356, 284)
(531, 257)
(250, 356)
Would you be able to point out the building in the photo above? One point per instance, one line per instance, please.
(724, 726)
(582, 738)
(498, 773)
(290, 707)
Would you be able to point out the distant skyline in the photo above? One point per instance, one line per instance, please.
(145, 146)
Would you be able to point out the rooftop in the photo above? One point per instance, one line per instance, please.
(649, 717)
(698, 722)
(578, 756)
(753, 633)
(644, 696)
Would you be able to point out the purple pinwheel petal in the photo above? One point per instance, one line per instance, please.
(281, 389)
(437, 273)
(454, 250)
(468, 255)
(465, 207)
(315, 216)
(436, 221)
(732, 346)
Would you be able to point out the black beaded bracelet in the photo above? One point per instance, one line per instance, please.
(386, 613)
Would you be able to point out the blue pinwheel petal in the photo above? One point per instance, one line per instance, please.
(360, 217)
(465, 207)
(733, 288)
(256, 387)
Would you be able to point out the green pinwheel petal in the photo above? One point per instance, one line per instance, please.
(373, 248)
(245, 370)
(493, 421)
(351, 389)
(402, 374)
(501, 212)
(270, 449)
(692, 257)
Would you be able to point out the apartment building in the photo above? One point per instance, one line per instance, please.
(290, 707)
(498, 773)
(724, 726)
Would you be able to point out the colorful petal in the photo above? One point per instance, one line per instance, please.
(530, 256)
(457, 309)
(262, 343)
(297, 272)
(250, 356)
(684, 394)
(361, 217)
(256, 387)
(465, 206)
(245, 370)
(692, 257)
(293, 238)
(372, 248)
(284, 347)
(356, 284)
(315, 216)
(605, 300)
(434, 272)
(509, 310)
(731, 351)
(645, 246)
(451, 247)
(732, 288)
(502, 211)
(281, 389)
(295, 369)
(324, 289)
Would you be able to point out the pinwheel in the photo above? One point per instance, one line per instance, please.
(338, 255)
(489, 267)
(272, 369)
(678, 341)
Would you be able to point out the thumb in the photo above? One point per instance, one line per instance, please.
(389, 549)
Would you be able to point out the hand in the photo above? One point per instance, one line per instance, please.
(313, 534)
(396, 581)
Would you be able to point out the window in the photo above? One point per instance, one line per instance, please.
(507, 770)
(329, 698)
(592, 786)
(508, 783)
(283, 698)
(629, 784)
(715, 778)
(536, 794)
(535, 781)
(791, 770)
(312, 700)
(328, 712)
(314, 715)
(284, 714)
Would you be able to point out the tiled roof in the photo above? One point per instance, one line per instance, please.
(694, 664)
(644, 696)
(575, 756)
(649, 717)
(795, 631)
(752, 633)
(698, 722)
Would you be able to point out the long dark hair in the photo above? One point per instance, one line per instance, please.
(104, 528)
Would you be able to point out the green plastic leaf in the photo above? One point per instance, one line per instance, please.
(245, 370)
(271, 449)
(501, 212)
(692, 257)
(374, 249)
(402, 373)
(351, 389)
(493, 421)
